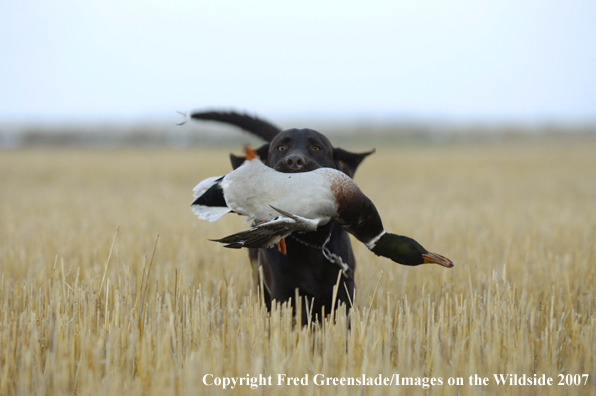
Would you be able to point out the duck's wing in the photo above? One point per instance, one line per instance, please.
(301, 224)
(269, 233)
(260, 236)
(209, 203)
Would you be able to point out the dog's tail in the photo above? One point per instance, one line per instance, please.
(210, 203)
(257, 126)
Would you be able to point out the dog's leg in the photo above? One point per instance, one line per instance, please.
(253, 255)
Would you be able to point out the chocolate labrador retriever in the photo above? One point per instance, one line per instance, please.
(313, 260)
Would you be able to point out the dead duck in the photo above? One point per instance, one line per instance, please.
(283, 203)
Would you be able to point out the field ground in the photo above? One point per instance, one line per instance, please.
(519, 221)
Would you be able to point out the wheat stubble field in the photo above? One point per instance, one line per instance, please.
(94, 303)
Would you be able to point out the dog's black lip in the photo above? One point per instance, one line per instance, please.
(284, 168)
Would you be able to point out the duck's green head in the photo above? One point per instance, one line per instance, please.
(404, 250)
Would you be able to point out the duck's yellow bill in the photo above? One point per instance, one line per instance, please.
(437, 259)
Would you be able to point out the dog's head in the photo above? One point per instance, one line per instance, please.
(303, 150)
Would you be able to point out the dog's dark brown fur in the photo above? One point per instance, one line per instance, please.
(304, 267)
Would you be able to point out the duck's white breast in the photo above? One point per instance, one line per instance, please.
(253, 187)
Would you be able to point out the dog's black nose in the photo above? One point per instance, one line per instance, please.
(295, 161)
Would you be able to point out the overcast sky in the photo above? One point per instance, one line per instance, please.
(462, 59)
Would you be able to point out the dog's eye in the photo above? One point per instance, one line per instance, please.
(316, 148)
(281, 147)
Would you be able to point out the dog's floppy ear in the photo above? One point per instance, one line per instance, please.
(263, 153)
(347, 162)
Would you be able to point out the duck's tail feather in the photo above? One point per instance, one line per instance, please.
(210, 203)
(209, 213)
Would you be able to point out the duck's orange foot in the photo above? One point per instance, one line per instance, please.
(249, 153)
(281, 246)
